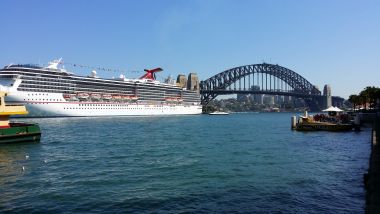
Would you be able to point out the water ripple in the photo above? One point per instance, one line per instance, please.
(243, 163)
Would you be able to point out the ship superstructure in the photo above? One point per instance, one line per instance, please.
(52, 91)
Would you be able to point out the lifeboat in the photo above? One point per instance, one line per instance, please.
(116, 97)
(70, 97)
(66, 96)
(126, 97)
(174, 99)
(134, 98)
(83, 96)
(106, 96)
(95, 96)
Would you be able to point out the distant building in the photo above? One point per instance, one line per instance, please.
(287, 99)
(337, 101)
(242, 97)
(181, 81)
(327, 90)
(269, 100)
(193, 82)
(299, 103)
(257, 98)
(278, 100)
(327, 96)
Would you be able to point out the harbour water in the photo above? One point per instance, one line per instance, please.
(249, 163)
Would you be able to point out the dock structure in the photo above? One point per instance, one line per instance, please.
(372, 178)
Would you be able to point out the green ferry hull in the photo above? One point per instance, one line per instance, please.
(20, 133)
(324, 127)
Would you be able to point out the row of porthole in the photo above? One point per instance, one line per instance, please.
(118, 108)
(114, 105)
(44, 99)
(108, 106)
(38, 94)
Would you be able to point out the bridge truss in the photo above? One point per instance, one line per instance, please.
(257, 79)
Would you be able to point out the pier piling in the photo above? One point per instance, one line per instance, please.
(293, 122)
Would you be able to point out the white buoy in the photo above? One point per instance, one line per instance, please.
(26, 157)
(23, 168)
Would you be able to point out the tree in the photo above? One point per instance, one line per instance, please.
(377, 98)
(364, 98)
(369, 95)
(355, 100)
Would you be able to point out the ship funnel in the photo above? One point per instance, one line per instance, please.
(150, 74)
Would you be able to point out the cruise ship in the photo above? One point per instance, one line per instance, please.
(52, 91)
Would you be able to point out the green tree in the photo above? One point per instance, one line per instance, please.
(355, 100)
(369, 95)
(364, 98)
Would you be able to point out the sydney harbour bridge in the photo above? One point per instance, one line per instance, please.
(266, 79)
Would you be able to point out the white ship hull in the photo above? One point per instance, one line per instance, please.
(54, 105)
(54, 92)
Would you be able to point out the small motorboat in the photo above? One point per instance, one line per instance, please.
(218, 113)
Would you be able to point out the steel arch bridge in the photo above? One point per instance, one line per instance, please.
(257, 79)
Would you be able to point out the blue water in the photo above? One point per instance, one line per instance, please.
(248, 163)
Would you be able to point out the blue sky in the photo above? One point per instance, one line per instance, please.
(335, 42)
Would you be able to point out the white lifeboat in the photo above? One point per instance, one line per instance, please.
(83, 96)
(70, 97)
(134, 98)
(106, 96)
(96, 96)
(116, 97)
(126, 97)
(170, 99)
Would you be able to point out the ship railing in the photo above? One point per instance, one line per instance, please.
(23, 65)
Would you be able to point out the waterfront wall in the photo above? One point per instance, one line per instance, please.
(372, 178)
(368, 117)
